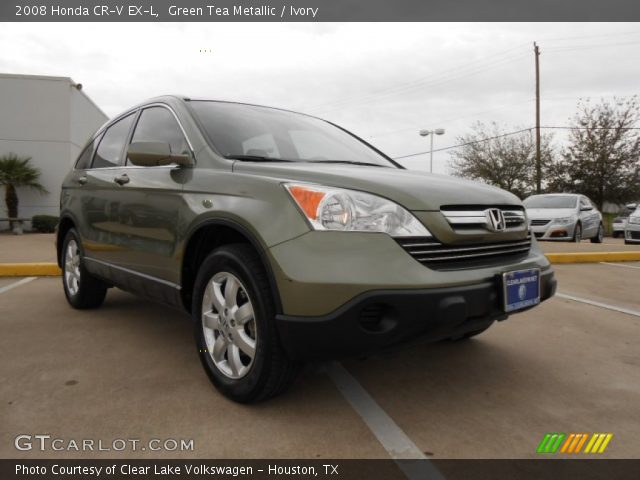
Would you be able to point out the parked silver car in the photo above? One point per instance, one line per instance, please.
(564, 216)
(618, 225)
(632, 229)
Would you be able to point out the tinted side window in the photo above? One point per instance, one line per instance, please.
(112, 144)
(157, 124)
(84, 160)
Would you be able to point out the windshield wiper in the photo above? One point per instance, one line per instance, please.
(256, 158)
(349, 162)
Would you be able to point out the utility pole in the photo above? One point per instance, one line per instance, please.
(536, 51)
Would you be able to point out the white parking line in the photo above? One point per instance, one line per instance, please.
(13, 285)
(621, 265)
(615, 308)
(397, 444)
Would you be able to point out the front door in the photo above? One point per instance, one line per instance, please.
(149, 202)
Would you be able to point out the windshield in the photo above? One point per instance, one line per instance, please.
(248, 132)
(551, 201)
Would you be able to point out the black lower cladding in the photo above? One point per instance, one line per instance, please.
(381, 318)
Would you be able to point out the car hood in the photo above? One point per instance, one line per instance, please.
(550, 213)
(414, 190)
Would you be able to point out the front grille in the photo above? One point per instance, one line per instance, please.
(539, 223)
(434, 254)
(474, 217)
(635, 235)
(538, 234)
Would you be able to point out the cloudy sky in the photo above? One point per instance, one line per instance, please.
(384, 82)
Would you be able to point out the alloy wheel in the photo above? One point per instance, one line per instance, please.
(229, 326)
(72, 267)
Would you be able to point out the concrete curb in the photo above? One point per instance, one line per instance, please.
(593, 257)
(29, 270)
(52, 269)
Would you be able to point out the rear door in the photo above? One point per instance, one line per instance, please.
(99, 202)
(149, 202)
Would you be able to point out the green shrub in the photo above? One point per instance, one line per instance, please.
(44, 223)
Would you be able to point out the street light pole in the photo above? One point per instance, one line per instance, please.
(424, 133)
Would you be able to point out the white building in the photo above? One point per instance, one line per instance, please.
(48, 119)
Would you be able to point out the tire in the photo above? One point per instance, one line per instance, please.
(83, 290)
(228, 334)
(615, 234)
(599, 236)
(577, 233)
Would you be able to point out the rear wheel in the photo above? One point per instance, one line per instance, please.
(577, 233)
(82, 289)
(599, 236)
(235, 331)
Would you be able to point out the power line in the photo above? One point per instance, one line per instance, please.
(465, 144)
(620, 34)
(594, 128)
(512, 133)
(470, 68)
(570, 48)
(452, 119)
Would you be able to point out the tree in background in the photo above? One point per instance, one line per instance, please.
(504, 160)
(602, 159)
(16, 172)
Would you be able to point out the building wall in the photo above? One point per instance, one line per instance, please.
(49, 120)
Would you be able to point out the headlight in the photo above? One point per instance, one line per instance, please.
(564, 221)
(338, 209)
(634, 219)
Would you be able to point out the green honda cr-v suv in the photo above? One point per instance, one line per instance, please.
(287, 238)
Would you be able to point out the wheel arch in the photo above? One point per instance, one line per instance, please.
(65, 224)
(205, 237)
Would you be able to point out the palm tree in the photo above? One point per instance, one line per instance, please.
(16, 172)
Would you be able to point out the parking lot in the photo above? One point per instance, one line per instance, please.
(129, 370)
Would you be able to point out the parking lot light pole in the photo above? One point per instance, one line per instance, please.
(424, 133)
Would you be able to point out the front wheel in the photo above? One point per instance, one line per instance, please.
(82, 289)
(599, 236)
(577, 233)
(234, 315)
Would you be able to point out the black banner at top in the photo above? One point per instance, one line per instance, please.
(318, 10)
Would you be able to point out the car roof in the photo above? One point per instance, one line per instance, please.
(555, 195)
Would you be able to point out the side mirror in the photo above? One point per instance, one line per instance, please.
(153, 154)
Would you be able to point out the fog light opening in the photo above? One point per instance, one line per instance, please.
(378, 318)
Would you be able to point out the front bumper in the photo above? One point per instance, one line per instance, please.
(553, 231)
(382, 318)
(632, 232)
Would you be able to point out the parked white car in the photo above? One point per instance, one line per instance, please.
(566, 217)
(618, 225)
(632, 229)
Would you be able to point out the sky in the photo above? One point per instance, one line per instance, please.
(383, 81)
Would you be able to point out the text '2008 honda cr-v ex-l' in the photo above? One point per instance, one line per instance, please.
(287, 239)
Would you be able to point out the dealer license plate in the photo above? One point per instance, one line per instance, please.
(521, 289)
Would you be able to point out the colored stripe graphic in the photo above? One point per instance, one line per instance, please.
(550, 443)
(574, 443)
(598, 443)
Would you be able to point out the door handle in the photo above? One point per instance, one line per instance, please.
(122, 179)
(82, 180)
